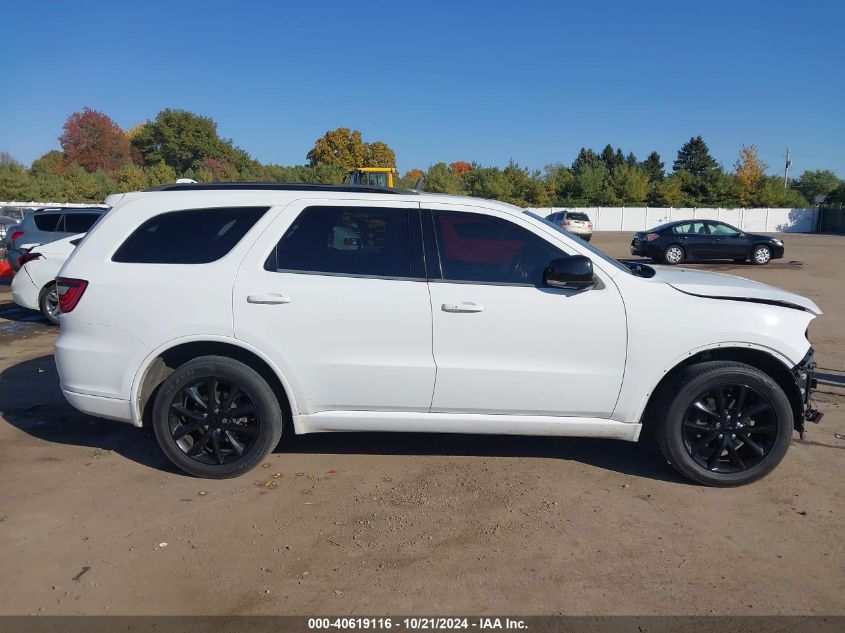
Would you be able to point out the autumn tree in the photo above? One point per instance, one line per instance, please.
(341, 146)
(379, 154)
(460, 167)
(749, 170)
(95, 142)
(346, 148)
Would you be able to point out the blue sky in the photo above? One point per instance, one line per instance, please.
(477, 81)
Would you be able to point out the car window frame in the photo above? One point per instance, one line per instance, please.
(712, 223)
(418, 272)
(170, 211)
(433, 246)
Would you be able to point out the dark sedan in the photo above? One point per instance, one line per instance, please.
(686, 240)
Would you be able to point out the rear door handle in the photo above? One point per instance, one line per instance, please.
(466, 306)
(268, 299)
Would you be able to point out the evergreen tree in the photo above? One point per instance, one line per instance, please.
(694, 157)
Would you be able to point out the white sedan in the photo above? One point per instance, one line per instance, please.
(34, 285)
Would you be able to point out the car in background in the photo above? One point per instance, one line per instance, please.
(34, 287)
(48, 225)
(689, 240)
(6, 223)
(10, 217)
(576, 222)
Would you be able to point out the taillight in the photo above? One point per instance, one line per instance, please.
(16, 235)
(70, 292)
(651, 236)
(28, 257)
(567, 222)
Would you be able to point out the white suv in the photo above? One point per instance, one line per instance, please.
(220, 314)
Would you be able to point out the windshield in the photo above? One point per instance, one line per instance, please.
(584, 244)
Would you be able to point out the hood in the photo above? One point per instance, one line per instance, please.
(721, 286)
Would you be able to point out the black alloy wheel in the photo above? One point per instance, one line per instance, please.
(216, 417)
(722, 423)
(214, 421)
(729, 428)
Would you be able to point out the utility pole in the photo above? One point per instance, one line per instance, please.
(786, 169)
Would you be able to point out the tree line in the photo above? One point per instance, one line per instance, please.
(99, 158)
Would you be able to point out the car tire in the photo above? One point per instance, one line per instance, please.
(587, 238)
(202, 440)
(742, 443)
(48, 303)
(761, 255)
(674, 254)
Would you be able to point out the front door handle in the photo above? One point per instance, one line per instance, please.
(466, 306)
(268, 299)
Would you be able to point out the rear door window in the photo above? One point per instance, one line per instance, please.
(361, 241)
(46, 221)
(193, 236)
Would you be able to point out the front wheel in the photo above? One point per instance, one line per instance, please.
(761, 255)
(48, 303)
(215, 417)
(723, 423)
(673, 255)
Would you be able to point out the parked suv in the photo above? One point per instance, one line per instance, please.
(48, 225)
(222, 314)
(576, 222)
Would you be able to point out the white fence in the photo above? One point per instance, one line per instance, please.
(41, 205)
(643, 218)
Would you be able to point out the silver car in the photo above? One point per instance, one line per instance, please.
(575, 222)
(48, 225)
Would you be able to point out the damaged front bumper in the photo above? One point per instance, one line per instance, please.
(803, 374)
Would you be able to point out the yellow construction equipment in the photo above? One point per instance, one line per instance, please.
(372, 176)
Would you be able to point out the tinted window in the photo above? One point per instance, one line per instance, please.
(581, 217)
(487, 249)
(78, 222)
(717, 228)
(351, 241)
(689, 228)
(196, 236)
(46, 221)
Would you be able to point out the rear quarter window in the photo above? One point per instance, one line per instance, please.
(78, 222)
(46, 221)
(193, 236)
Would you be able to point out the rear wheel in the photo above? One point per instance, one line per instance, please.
(48, 303)
(673, 254)
(761, 255)
(215, 417)
(723, 423)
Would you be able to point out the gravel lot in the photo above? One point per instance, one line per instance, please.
(93, 520)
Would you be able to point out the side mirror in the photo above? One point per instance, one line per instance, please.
(570, 273)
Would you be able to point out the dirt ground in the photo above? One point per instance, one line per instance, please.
(93, 520)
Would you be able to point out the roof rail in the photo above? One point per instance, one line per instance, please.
(278, 186)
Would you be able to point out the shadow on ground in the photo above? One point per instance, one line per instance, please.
(30, 400)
